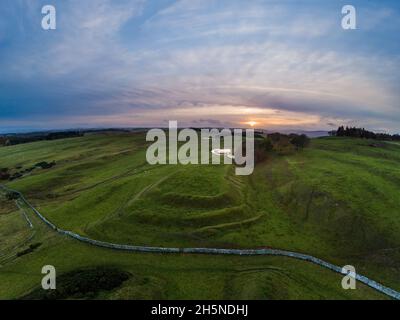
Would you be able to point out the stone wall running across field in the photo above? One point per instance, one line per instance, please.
(242, 252)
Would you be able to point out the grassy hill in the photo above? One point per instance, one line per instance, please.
(336, 200)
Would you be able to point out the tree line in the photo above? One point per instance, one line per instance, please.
(278, 143)
(13, 139)
(363, 134)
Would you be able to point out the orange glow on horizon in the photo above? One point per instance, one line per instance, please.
(251, 123)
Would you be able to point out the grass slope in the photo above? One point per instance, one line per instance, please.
(337, 200)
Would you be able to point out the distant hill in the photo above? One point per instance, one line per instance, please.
(310, 134)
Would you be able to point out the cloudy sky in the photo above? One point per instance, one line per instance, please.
(280, 64)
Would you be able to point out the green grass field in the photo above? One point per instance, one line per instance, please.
(337, 200)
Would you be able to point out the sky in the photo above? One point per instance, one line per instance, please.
(279, 65)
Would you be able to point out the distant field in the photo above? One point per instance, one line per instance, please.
(337, 200)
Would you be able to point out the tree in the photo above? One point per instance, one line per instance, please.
(340, 132)
(262, 147)
(300, 141)
(267, 145)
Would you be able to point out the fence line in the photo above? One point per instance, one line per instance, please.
(241, 252)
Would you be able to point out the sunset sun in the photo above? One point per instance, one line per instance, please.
(251, 123)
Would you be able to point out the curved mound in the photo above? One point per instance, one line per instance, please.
(170, 211)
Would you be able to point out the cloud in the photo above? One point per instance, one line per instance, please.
(137, 63)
